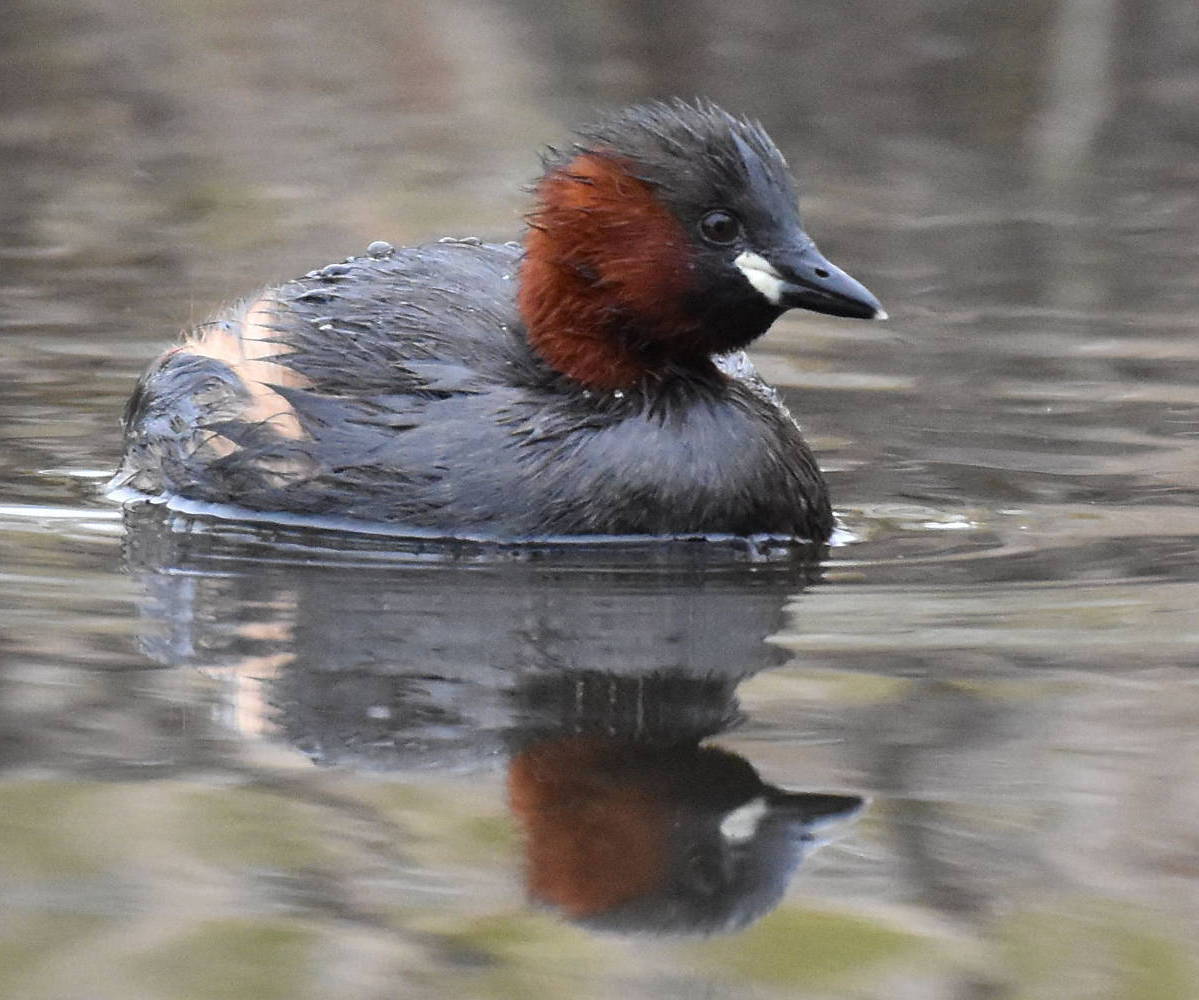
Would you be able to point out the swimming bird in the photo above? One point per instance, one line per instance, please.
(588, 380)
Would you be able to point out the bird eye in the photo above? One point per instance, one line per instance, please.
(720, 227)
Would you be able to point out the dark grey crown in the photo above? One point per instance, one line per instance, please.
(693, 153)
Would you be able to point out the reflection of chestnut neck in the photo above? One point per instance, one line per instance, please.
(596, 825)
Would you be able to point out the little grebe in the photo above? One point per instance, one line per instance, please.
(587, 382)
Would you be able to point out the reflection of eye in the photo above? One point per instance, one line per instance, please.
(720, 227)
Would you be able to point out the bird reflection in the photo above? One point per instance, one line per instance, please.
(630, 836)
(597, 678)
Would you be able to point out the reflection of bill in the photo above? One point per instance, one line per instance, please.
(597, 676)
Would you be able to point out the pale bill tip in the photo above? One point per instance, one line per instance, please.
(881, 314)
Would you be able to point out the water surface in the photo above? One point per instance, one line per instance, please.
(253, 762)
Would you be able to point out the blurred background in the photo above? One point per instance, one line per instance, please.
(1000, 652)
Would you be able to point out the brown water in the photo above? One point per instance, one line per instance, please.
(254, 763)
